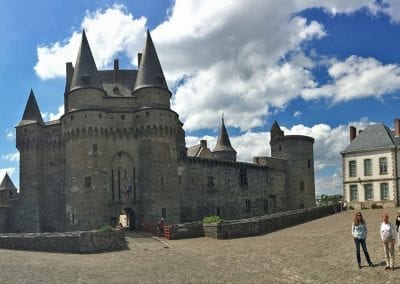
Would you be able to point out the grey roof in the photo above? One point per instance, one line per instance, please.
(372, 137)
(150, 73)
(31, 113)
(120, 85)
(223, 142)
(199, 151)
(85, 73)
(7, 184)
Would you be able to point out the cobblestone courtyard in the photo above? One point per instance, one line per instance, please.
(321, 251)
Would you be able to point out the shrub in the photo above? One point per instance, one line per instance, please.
(106, 228)
(211, 219)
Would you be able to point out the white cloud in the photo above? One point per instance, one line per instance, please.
(392, 9)
(3, 172)
(357, 77)
(53, 116)
(109, 32)
(12, 157)
(329, 185)
(10, 134)
(218, 59)
(297, 114)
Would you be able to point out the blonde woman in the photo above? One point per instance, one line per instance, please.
(388, 238)
(359, 232)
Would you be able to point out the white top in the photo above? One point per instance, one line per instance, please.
(387, 231)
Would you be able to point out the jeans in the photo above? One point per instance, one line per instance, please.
(364, 247)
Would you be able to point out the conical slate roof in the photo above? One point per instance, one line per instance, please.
(7, 183)
(150, 73)
(85, 73)
(275, 126)
(31, 113)
(223, 142)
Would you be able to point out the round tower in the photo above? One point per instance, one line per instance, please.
(297, 150)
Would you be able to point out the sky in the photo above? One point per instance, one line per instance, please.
(314, 66)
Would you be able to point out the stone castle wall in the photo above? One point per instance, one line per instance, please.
(211, 187)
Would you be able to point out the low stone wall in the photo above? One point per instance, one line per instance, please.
(186, 231)
(264, 224)
(76, 242)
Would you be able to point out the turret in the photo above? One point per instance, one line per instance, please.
(223, 149)
(84, 89)
(31, 113)
(150, 87)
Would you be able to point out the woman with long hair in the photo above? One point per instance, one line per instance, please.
(359, 232)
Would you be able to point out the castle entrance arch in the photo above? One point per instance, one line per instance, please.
(123, 177)
(130, 216)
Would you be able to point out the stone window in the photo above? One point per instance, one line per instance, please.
(353, 192)
(302, 186)
(94, 148)
(210, 181)
(247, 206)
(384, 191)
(162, 180)
(352, 168)
(219, 212)
(309, 163)
(368, 191)
(86, 78)
(280, 148)
(180, 179)
(265, 205)
(164, 212)
(367, 167)
(243, 176)
(301, 205)
(383, 166)
(100, 115)
(88, 181)
(122, 117)
(147, 114)
(72, 117)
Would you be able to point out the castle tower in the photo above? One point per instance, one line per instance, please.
(151, 88)
(162, 142)
(297, 150)
(223, 149)
(29, 143)
(84, 89)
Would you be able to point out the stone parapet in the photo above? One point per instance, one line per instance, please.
(74, 242)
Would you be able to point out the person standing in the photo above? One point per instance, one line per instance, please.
(359, 232)
(397, 229)
(388, 240)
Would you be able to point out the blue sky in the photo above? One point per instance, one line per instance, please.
(315, 66)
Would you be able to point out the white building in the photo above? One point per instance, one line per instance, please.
(371, 167)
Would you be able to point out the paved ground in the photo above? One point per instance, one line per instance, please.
(321, 251)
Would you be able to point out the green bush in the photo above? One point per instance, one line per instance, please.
(211, 219)
(106, 228)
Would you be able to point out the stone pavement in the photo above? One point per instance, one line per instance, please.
(320, 251)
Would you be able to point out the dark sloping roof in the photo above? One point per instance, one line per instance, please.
(150, 73)
(275, 126)
(372, 137)
(7, 183)
(31, 113)
(85, 73)
(223, 142)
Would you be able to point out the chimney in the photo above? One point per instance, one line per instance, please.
(116, 69)
(397, 127)
(353, 133)
(203, 143)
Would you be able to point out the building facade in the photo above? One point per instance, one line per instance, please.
(371, 167)
(120, 149)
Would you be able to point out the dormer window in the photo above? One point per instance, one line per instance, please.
(116, 90)
(86, 79)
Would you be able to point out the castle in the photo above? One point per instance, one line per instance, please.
(120, 148)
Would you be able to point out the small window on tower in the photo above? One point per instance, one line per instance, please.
(88, 181)
(86, 79)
